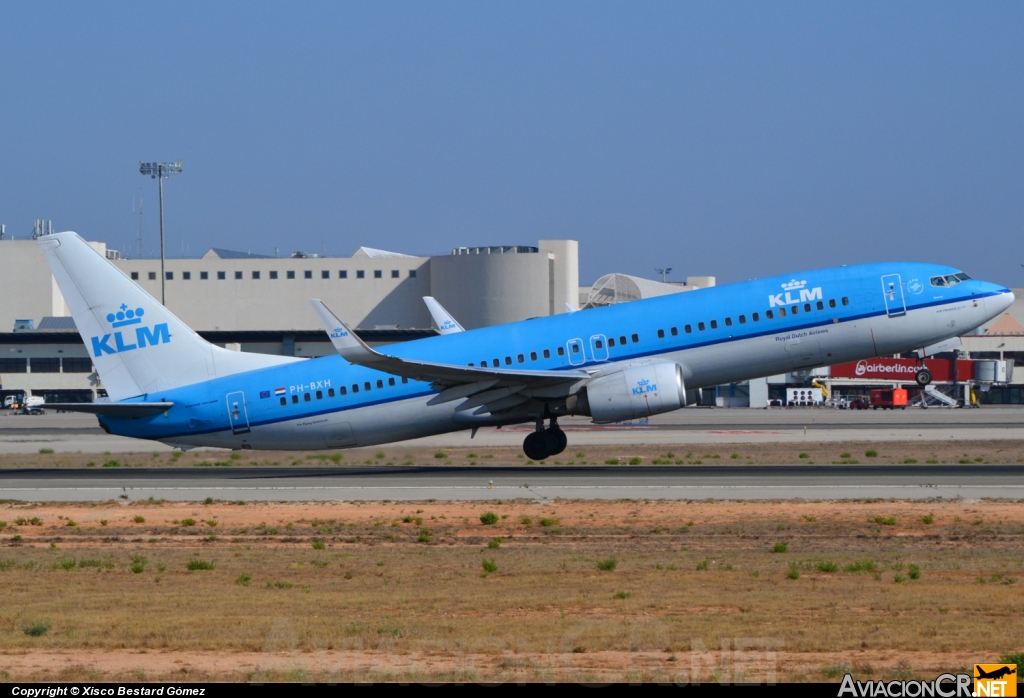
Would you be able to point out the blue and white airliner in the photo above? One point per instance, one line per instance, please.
(164, 382)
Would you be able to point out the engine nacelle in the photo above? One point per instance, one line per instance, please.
(639, 390)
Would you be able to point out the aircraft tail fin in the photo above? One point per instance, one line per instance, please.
(446, 324)
(137, 345)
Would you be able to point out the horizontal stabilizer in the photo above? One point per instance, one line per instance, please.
(132, 410)
(354, 350)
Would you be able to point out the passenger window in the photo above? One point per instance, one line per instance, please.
(611, 341)
(755, 317)
(330, 392)
(520, 358)
(483, 364)
(508, 360)
(342, 390)
(305, 396)
(714, 324)
(782, 312)
(700, 326)
(404, 381)
(575, 348)
(674, 331)
(319, 395)
(295, 399)
(284, 401)
(471, 364)
(380, 383)
(495, 363)
(661, 334)
(846, 301)
(622, 340)
(795, 309)
(355, 388)
(831, 302)
(547, 354)
(367, 386)
(742, 319)
(687, 329)
(820, 305)
(599, 344)
(635, 338)
(391, 382)
(728, 322)
(561, 351)
(807, 307)
(533, 356)
(769, 315)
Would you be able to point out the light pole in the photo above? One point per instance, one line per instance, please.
(664, 272)
(160, 171)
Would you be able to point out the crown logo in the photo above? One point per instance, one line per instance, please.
(643, 382)
(793, 285)
(125, 316)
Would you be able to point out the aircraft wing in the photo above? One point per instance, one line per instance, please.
(446, 324)
(491, 389)
(132, 410)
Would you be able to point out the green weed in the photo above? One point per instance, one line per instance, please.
(488, 518)
(608, 564)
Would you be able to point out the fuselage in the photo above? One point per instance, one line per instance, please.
(718, 335)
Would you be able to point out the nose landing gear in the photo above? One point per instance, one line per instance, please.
(544, 443)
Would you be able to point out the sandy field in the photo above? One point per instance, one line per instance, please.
(535, 591)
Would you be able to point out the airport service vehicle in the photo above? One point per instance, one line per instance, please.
(889, 398)
(613, 364)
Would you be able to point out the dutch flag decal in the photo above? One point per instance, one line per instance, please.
(279, 391)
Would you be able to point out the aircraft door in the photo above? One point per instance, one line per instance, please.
(575, 349)
(237, 414)
(892, 291)
(599, 347)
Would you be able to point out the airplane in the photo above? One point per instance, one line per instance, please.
(996, 673)
(616, 363)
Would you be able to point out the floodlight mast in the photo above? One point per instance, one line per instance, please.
(161, 171)
(664, 271)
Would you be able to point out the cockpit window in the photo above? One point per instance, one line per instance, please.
(949, 280)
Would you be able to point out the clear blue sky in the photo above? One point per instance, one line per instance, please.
(735, 139)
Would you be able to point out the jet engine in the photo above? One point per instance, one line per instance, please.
(639, 390)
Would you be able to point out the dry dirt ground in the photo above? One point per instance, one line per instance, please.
(564, 590)
(994, 451)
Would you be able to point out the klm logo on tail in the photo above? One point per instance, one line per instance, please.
(790, 288)
(143, 336)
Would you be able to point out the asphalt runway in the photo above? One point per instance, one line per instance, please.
(540, 483)
(65, 433)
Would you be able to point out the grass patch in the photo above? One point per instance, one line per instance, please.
(636, 461)
(794, 571)
(46, 450)
(704, 564)
(526, 521)
(424, 536)
(884, 521)
(608, 564)
(243, 580)
(197, 564)
(440, 454)
(928, 519)
(861, 566)
(490, 566)
(827, 566)
(871, 453)
(548, 522)
(622, 594)
(913, 571)
(318, 545)
(37, 629)
(780, 548)
(612, 461)
(279, 585)
(188, 522)
(488, 518)
(494, 543)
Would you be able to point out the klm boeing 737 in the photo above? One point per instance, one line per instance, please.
(164, 382)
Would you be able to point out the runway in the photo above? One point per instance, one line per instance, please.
(71, 433)
(543, 483)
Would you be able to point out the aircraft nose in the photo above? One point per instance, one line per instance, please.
(1001, 300)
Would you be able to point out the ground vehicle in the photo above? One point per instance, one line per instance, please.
(30, 404)
(889, 399)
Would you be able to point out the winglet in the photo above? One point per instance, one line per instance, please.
(446, 324)
(344, 339)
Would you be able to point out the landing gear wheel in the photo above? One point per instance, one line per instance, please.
(558, 440)
(923, 377)
(537, 445)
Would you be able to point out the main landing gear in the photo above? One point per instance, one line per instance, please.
(543, 443)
